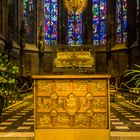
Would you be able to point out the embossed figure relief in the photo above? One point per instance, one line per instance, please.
(43, 121)
(63, 121)
(60, 103)
(72, 104)
(98, 87)
(99, 103)
(44, 86)
(62, 86)
(83, 104)
(44, 103)
(82, 120)
(80, 86)
(99, 120)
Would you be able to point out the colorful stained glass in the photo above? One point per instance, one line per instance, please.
(50, 21)
(74, 29)
(121, 21)
(29, 19)
(99, 22)
(137, 18)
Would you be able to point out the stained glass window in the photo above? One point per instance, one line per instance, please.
(1, 16)
(137, 17)
(74, 29)
(29, 19)
(50, 21)
(99, 22)
(121, 21)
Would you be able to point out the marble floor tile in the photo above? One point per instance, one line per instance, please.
(123, 111)
(12, 120)
(130, 116)
(134, 119)
(115, 119)
(4, 113)
(21, 114)
(8, 111)
(24, 111)
(6, 123)
(126, 113)
(117, 123)
(23, 127)
(28, 123)
(3, 127)
(113, 116)
(30, 120)
(16, 117)
(137, 123)
(122, 127)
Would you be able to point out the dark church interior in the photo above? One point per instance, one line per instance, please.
(69, 69)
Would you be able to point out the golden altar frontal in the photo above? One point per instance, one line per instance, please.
(72, 107)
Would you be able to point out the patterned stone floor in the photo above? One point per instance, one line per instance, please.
(18, 118)
(124, 117)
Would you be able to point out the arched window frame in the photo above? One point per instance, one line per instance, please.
(29, 19)
(121, 21)
(74, 28)
(99, 22)
(50, 22)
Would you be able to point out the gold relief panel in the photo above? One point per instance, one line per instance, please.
(83, 104)
(44, 87)
(60, 104)
(99, 120)
(43, 121)
(63, 121)
(80, 87)
(99, 104)
(89, 96)
(98, 87)
(62, 87)
(82, 121)
(44, 103)
(71, 104)
(53, 96)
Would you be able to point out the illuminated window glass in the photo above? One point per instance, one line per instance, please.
(1, 16)
(121, 21)
(50, 21)
(74, 29)
(29, 19)
(99, 22)
(137, 17)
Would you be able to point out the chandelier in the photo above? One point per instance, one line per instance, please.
(76, 6)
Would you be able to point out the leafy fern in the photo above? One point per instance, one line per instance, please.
(133, 75)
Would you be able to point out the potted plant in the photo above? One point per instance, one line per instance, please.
(131, 79)
(8, 79)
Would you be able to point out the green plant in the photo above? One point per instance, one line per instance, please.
(8, 77)
(132, 77)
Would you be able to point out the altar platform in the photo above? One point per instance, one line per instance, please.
(125, 121)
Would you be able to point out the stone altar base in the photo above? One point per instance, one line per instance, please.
(72, 134)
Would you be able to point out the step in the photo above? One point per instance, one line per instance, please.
(125, 135)
(16, 135)
(30, 135)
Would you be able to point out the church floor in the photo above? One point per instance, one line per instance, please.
(125, 117)
(18, 118)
